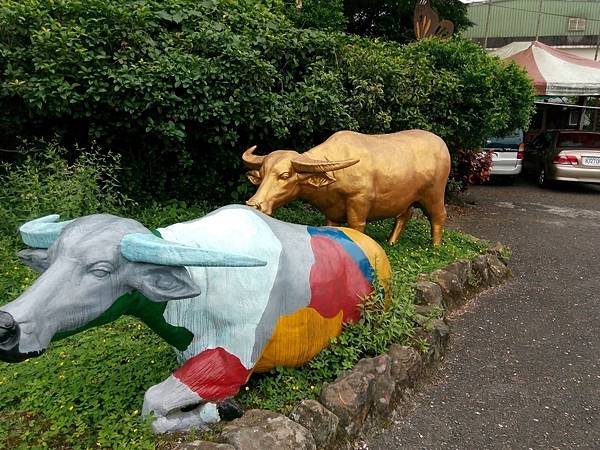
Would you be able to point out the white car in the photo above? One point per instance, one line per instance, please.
(507, 155)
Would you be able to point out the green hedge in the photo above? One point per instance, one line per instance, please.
(180, 87)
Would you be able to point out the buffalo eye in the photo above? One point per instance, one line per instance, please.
(100, 270)
(285, 176)
(165, 282)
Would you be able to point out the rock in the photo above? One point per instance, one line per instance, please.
(462, 269)
(351, 396)
(423, 277)
(406, 366)
(317, 419)
(349, 399)
(427, 310)
(265, 430)
(481, 270)
(428, 293)
(452, 289)
(498, 271)
(438, 341)
(383, 386)
(203, 445)
(501, 251)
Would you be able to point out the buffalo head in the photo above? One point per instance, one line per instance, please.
(281, 175)
(86, 265)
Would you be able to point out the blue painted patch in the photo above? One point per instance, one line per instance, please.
(149, 248)
(350, 246)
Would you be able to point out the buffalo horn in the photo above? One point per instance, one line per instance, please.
(42, 232)
(148, 248)
(308, 165)
(252, 161)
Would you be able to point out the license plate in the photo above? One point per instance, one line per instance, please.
(591, 160)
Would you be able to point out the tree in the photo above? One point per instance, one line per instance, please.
(393, 19)
(318, 14)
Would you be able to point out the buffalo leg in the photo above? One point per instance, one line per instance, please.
(331, 223)
(165, 401)
(357, 211)
(399, 225)
(437, 217)
(211, 376)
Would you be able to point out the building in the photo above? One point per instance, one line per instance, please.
(571, 25)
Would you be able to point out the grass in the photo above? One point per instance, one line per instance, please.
(87, 390)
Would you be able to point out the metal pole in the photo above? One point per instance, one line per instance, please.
(487, 24)
(537, 28)
(582, 101)
(597, 46)
(544, 118)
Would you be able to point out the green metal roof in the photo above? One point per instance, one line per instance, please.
(518, 18)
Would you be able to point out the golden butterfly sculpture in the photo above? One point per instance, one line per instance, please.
(427, 22)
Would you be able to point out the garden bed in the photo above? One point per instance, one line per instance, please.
(87, 390)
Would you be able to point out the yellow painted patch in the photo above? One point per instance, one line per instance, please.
(298, 338)
(377, 257)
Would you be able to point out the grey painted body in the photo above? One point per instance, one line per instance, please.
(227, 294)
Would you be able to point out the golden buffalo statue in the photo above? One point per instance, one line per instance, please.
(354, 177)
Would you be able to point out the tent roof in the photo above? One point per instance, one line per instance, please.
(554, 72)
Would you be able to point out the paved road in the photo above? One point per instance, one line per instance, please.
(523, 368)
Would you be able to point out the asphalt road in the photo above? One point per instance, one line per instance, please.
(523, 367)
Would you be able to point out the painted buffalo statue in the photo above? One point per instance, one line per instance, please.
(233, 292)
(354, 177)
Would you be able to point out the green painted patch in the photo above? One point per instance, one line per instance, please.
(151, 313)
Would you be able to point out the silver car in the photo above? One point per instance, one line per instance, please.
(564, 155)
(507, 155)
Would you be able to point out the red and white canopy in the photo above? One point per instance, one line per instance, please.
(554, 72)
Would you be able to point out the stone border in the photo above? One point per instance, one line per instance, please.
(368, 393)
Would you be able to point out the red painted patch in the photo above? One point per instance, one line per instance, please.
(214, 374)
(336, 282)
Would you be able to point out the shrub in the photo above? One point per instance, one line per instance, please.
(180, 87)
(46, 183)
(471, 167)
(318, 14)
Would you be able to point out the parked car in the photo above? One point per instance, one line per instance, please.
(507, 155)
(564, 155)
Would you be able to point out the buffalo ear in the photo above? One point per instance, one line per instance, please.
(164, 283)
(36, 258)
(254, 177)
(317, 180)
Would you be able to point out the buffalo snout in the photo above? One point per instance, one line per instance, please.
(9, 339)
(9, 331)
(261, 206)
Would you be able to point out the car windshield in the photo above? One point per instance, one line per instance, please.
(512, 140)
(575, 140)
